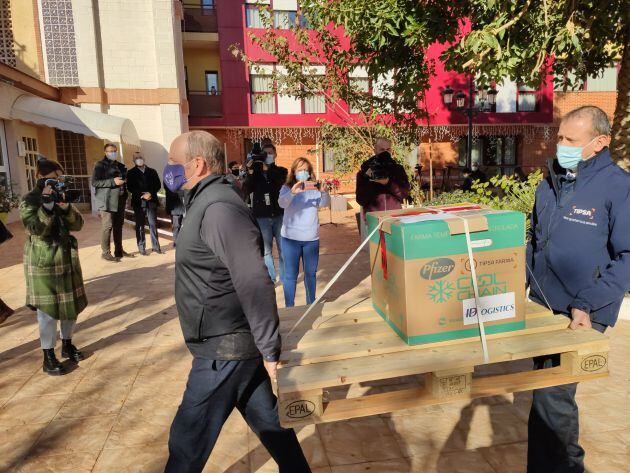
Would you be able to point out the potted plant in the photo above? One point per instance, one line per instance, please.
(9, 200)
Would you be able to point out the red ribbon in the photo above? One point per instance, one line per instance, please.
(383, 249)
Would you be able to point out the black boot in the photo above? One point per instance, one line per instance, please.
(51, 363)
(68, 350)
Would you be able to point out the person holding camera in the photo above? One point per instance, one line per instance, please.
(109, 179)
(144, 183)
(262, 187)
(382, 183)
(301, 199)
(54, 281)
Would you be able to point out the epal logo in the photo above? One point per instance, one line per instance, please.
(437, 269)
(590, 213)
(491, 308)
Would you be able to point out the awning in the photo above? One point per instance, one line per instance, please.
(40, 111)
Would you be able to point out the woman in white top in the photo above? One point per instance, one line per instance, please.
(301, 199)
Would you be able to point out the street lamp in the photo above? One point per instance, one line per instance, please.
(487, 98)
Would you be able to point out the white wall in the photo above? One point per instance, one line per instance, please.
(141, 49)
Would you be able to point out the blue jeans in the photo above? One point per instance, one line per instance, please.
(213, 390)
(293, 250)
(270, 229)
(144, 215)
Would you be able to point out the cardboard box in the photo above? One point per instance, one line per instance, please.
(421, 279)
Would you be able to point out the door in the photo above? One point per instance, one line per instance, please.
(212, 83)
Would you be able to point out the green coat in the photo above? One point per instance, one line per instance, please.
(54, 282)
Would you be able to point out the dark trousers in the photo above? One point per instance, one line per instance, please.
(176, 221)
(213, 390)
(142, 215)
(112, 225)
(554, 428)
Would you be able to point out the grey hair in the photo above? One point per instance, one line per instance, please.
(600, 124)
(204, 145)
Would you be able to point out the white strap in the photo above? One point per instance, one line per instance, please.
(473, 273)
(340, 272)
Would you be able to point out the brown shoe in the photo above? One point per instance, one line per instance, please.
(5, 311)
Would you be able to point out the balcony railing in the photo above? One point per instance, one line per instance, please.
(199, 19)
(204, 104)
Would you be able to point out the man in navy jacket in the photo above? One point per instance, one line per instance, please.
(579, 266)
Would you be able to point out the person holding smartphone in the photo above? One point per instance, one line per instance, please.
(301, 197)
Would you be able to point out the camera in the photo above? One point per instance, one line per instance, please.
(257, 154)
(61, 191)
(378, 166)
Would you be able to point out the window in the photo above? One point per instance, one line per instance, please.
(304, 23)
(263, 97)
(477, 150)
(315, 104)
(361, 84)
(255, 16)
(605, 81)
(495, 154)
(212, 83)
(71, 155)
(207, 4)
(577, 84)
(527, 99)
(284, 20)
(30, 161)
(329, 160)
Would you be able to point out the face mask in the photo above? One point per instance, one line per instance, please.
(112, 155)
(139, 162)
(302, 176)
(570, 156)
(236, 172)
(270, 159)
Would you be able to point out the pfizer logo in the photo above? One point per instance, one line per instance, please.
(437, 269)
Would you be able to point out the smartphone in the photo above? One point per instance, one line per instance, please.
(310, 186)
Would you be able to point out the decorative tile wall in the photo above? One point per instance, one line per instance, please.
(61, 53)
(7, 54)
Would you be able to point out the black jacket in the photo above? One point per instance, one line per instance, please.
(257, 185)
(108, 194)
(225, 299)
(139, 182)
(175, 201)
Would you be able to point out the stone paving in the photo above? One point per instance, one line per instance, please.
(113, 412)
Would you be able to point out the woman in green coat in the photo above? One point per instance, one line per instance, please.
(54, 282)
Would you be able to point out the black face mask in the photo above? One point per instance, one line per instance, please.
(235, 172)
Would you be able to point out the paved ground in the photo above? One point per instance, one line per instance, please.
(113, 412)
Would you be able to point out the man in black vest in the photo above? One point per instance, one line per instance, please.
(144, 183)
(227, 310)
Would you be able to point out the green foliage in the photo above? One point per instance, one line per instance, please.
(9, 199)
(500, 193)
(390, 38)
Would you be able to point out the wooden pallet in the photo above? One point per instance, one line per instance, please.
(344, 344)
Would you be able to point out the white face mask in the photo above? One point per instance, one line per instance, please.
(270, 158)
(112, 155)
(139, 162)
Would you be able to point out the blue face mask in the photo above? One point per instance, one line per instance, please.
(302, 176)
(570, 156)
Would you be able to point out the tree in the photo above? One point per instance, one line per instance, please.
(491, 39)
